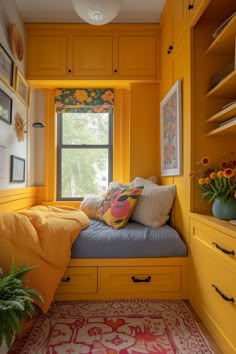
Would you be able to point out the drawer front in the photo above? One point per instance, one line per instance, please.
(79, 280)
(217, 244)
(213, 288)
(114, 280)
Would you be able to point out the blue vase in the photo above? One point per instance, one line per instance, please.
(225, 210)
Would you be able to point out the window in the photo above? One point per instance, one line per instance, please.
(84, 153)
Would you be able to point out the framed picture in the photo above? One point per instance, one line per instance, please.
(5, 107)
(22, 87)
(6, 67)
(17, 169)
(171, 131)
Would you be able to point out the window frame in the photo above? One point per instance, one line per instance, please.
(61, 146)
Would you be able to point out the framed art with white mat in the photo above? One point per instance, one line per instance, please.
(171, 131)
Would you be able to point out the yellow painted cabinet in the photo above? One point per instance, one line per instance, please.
(46, 56)
(213, 281)
(172, 30)
(92, 56)
(136, 57)
(64, 52)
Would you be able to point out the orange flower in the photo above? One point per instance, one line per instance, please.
(192, 174)
(201, 181)
(228, 173)
(81, 95)
(207, 180)
(213, 175)
(205, 160)
(220, 174)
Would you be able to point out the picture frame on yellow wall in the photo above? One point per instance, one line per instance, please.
(171, 131)
(22, 87)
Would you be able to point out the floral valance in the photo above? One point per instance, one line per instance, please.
(84, 100)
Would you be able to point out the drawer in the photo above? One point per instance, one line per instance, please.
(217, 244)
(213, 289)
(127, 280)
(79, 280)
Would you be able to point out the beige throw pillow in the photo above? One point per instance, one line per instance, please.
(90, 205)
(155, 203)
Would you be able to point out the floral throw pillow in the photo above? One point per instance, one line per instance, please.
(118, 205)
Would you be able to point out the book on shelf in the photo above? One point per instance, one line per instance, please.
(230, 120)
(222, 26)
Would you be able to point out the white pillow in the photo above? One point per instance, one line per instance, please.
(90, 205)
(153, 179)
(154, 204)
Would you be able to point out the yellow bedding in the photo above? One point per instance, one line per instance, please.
(40, 236)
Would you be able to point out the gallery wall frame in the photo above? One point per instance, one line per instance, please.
(17, 169)
(22, 87)
(5, 107)
(171, 131)
(6, 67)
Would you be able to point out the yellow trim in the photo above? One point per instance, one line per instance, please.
(16, 199)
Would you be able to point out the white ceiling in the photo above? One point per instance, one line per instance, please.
(61, 11)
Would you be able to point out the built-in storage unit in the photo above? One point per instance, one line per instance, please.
(121, 278)
(213, 107)
(72, 52)
(213, 277)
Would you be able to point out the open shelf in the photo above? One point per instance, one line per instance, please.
(226, 87)
(223, 115)
(226, 129)
(225, 41)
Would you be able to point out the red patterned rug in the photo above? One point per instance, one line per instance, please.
(115, 327)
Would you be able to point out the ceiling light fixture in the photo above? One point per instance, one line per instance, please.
(97, 12)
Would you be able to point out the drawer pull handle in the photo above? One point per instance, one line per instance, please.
(223, 249)
(147, 280)
(226, 298)
(65, 280)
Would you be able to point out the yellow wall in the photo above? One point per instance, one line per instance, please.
(144, 130)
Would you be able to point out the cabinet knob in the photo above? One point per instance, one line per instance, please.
(69, 71)
(115, 71)
(190, 6)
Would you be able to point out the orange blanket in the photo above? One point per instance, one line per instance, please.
(40, 236)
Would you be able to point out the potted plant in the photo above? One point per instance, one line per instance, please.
(16, 302)
(219, 185)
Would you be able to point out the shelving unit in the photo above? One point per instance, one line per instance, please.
(224, 42)
(225, 89)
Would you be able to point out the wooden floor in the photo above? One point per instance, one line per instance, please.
(212, 343)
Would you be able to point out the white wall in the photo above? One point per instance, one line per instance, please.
(9, 14)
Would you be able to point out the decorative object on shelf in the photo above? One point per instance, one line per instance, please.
(97, 12)
(6, 67)
(219, 185)
(16, 41)
(17, 169)
(171, 134)
(5, 107)
(19, 127)
(22, 87)
(38, 124)
(224, 209)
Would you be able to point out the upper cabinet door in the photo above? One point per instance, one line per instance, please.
(92, 56)
(179, 19)
(136, 57)
(46, 56)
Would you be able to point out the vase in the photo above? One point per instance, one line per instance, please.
(224, 209)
